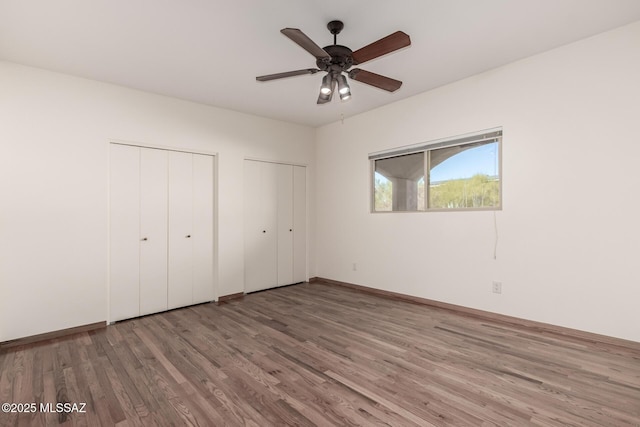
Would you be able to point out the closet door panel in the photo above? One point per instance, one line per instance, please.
(285, 223)
(269, 258)
(299, 224)
(260, 231)
(202, 237)
(253, 226)
(180, 251)
(153, 230)
(124, 232)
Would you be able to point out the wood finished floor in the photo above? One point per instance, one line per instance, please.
(321, 355)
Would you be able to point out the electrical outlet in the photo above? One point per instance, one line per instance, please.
(497, 287)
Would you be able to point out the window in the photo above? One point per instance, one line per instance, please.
(460, 173)
(397, 183)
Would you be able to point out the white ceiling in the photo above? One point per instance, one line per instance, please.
(210, 51)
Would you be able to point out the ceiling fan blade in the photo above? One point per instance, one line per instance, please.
(374, 79)
(385, 45)
(286, 74)
(306, 43)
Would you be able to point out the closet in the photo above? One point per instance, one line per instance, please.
(274, 224)
(161, 216)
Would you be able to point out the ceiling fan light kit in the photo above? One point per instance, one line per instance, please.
(325, 89)
(336, 60)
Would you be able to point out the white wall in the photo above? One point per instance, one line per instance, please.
(569, 234)
(54, 135)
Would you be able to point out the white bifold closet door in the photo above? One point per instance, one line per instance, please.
(124, 232)
(285, 223)
(190, 222)
(275, 225)
(261, 221)
(161, 230)
(202, 237)
(180, 270)
(300, 224)
(153, 231)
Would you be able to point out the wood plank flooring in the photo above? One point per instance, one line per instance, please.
(320, 355)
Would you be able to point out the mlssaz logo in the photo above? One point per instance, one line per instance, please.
(64, 407)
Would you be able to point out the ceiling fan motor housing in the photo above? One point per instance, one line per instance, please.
(341, 59)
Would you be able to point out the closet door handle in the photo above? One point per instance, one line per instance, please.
(291, 229)
(144, 239)
(188, 236)
(264, 231)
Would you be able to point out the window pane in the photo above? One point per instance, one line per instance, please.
(421, 205)
(398, 182)
(464, 176)
(382, 193)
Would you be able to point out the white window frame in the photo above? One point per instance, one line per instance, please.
(489, 135)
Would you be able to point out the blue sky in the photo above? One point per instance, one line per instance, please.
(481, 159)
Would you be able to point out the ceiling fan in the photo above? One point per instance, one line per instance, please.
(336, 60)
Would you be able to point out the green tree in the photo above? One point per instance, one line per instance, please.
(383, 194)
(476, 192)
